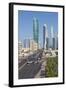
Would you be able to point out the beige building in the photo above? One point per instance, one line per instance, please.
(27, 50)
(33, 45)
(19, 48)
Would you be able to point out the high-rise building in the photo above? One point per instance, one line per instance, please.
(56, 40)
(52, 39)
(44, 31)
(53, 47)
(45, 37)
(47, 43)
(36, 30)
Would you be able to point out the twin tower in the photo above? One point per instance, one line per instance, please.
(48, 41)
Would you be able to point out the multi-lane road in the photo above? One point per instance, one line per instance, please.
(29, 71)
(30, 66)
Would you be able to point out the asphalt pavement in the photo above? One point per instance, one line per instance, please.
(29, 70)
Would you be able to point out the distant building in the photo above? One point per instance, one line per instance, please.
(33, 45)
(19, 47)
(26, 43)
(47, 43)
(56, 40)
(29, 45)
(53, 40)
(53, 44)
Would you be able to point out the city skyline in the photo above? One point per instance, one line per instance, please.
(37, 44)
(25, 27)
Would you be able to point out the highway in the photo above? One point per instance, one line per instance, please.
(31, 66)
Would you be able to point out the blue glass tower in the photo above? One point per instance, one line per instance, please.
(35, 30)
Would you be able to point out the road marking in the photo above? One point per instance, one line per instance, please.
(22, 66)
(38, 74)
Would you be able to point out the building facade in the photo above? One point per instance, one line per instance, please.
(19, 47)
(26, 43)
(33, 45)
(36, 30)
(45, 37)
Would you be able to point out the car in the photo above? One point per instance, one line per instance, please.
(30, 60)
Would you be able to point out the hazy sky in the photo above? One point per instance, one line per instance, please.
(25, 23)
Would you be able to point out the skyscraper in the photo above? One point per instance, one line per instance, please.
(53, 43)
(45, 37)
(52, 39)
(44, 31)
(47, 43)
(56, 40)
(35, 30)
